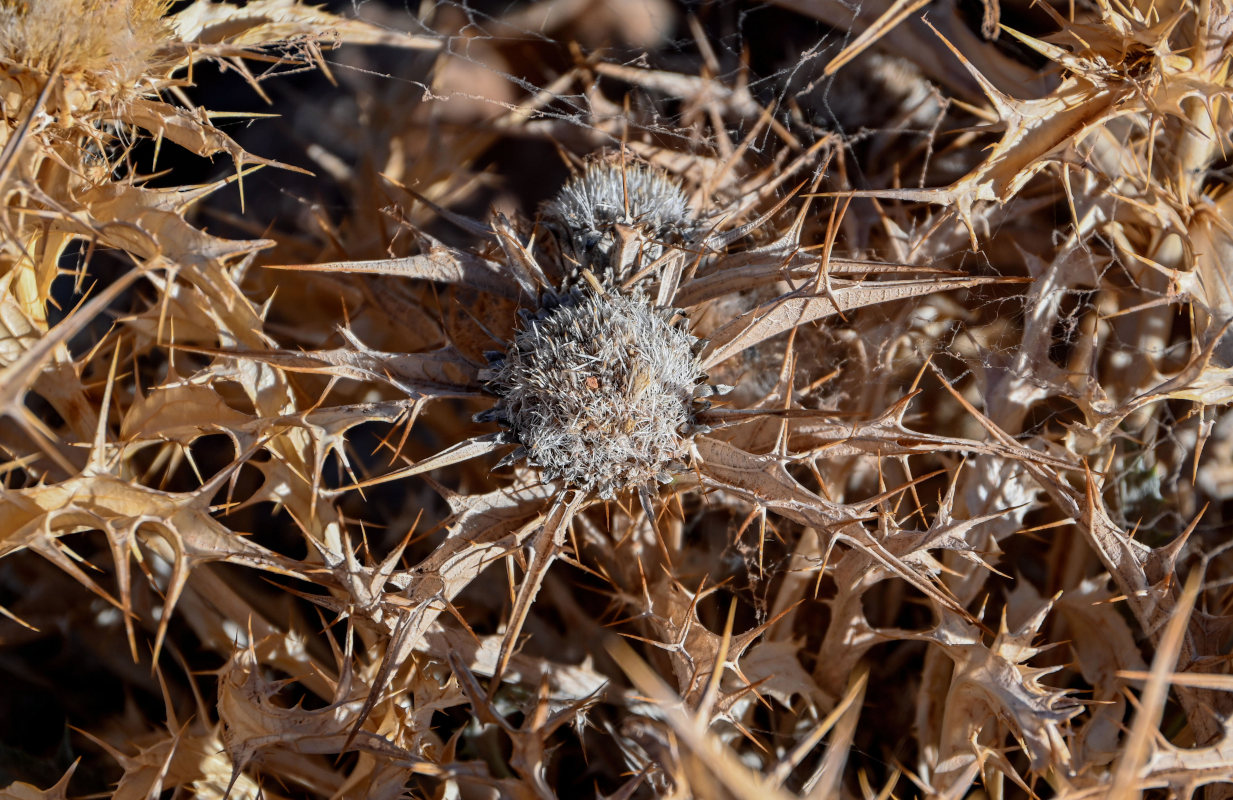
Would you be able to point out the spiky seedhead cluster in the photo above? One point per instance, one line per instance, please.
(599, 390)
(616, 217)
(106, 45)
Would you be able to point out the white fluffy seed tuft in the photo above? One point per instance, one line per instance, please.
(592, 208)
(599, 392)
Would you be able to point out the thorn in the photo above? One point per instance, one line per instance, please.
(487, 415)
(518, 453)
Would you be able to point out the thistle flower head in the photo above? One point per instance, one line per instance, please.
(615, 218)
(598, 390)
(90, 38)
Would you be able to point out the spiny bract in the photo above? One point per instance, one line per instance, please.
(598, 390)
(588, 210)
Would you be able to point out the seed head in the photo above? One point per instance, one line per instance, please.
(104, 43)
(598, 390)
(615, 218)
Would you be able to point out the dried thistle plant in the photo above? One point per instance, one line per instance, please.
(959, 527)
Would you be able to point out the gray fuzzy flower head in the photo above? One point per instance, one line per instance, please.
(599, 391)
(615, 218)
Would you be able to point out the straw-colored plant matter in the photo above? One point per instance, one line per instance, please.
(615, 400)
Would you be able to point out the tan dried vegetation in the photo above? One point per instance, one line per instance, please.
(960, 529)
